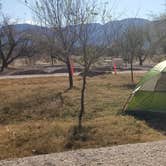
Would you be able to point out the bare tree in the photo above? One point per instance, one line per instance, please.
(135, 42)
(145, 43)
(13, 44)
(89, 52)
(48, 44)
(71, 22)
(60, 16)
(159, 34)
(90, 55)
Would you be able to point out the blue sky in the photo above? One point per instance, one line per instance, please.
(122, 9)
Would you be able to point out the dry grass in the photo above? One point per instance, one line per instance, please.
(36, 115)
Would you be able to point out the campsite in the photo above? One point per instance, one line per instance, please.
(79, 79)
(44, 128)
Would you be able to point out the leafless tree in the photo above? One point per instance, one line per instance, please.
(60, 16)
(128, 44)
(13, 44)
(71, 22)
(89, 52)
(159, 34)
(135, 42)
(48, 44)
(145, 43)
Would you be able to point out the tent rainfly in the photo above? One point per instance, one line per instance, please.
(150, 93)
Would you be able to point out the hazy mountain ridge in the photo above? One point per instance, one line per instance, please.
(97, 36)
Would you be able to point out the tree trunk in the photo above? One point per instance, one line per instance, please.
(82, 109)
(70, 73)
(52, 61)
(140, 61)
(2, 68)
(4, 65)
(131, 69)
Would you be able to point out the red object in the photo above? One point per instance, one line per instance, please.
(115, 71)
(72, 68)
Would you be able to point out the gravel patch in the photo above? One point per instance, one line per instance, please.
(142, 154)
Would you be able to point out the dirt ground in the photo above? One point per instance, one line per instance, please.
(145, 154)
(38, 115)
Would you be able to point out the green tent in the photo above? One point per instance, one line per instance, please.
(150, 93)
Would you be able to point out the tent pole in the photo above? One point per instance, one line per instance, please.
(126, 103)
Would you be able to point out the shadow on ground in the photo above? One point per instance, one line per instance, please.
(155, 120)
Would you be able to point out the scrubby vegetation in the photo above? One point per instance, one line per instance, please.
(38, 115)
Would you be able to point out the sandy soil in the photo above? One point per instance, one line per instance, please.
(56, 75)
(145, 154)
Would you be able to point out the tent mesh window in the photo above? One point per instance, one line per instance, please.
(161, 84)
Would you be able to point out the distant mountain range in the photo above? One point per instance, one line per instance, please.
(97, 36)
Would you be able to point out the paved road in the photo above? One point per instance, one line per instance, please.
(54, 75)
(35, 76)
(145, 154)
